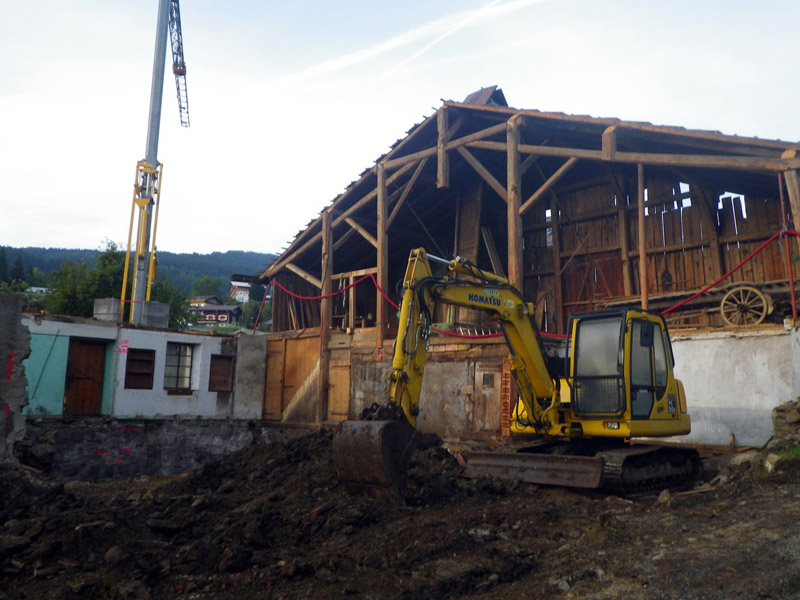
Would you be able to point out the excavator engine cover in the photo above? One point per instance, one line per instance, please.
(372, 457)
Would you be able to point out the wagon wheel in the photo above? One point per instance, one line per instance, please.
(745, 305)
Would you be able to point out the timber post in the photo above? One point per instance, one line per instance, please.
(325, 316)
(514, 195)
(381, 310)
(642, 239)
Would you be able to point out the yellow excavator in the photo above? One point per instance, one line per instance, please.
(577, 413)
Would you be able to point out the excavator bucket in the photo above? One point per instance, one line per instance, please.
(372, 457)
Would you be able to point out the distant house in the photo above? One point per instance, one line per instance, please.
(216, 314)
(201, 301)
(240, 287)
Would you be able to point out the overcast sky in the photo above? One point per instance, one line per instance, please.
(289, 101)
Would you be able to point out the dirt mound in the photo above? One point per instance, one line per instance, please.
(274, 521)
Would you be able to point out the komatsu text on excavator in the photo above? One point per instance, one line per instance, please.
(618, 385)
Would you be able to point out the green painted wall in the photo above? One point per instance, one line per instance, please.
(46, 369)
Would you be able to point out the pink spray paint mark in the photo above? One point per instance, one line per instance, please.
(10, 364)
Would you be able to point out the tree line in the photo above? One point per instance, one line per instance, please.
(77, 282)
(35, 264)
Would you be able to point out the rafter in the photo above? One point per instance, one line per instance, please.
(484, 172)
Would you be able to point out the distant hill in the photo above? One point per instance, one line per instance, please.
(181, 269)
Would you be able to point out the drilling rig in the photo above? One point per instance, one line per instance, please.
(147, 183)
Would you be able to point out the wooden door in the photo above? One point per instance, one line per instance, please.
(84, 386)
(339, 385)
(289, 363)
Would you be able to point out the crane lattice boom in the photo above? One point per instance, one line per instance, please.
(178, 63)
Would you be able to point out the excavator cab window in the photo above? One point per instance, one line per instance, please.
(597, 373)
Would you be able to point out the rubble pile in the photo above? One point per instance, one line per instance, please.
(786, 423)
(273, 521)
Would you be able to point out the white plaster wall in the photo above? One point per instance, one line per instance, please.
(157, 402)
(733, 381)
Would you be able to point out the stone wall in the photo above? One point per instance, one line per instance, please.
(102, 448)
(786, 423)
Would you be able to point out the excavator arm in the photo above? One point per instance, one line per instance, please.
(486, 292)
(371, 455)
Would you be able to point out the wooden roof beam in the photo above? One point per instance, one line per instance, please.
(744, 163)
(716, 136)
(406, 192)
(364, 233)
(448, 145)
(304, 274)
(548, 185)
(484, 172)
(287, 257)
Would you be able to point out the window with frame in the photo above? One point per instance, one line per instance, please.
(139, 367)
(178, 367)
(220, 376)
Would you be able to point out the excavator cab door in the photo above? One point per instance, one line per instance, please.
(649, 367)
(597, 365)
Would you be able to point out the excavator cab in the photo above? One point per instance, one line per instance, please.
(622, 382)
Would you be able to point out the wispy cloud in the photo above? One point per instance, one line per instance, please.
(434, 32)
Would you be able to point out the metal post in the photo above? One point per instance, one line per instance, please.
(149, 184)
(787, 252)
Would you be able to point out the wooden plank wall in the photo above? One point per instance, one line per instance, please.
(678, 237)
(538, 265)
(590, 253)
(290, 313)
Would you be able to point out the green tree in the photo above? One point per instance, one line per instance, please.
(250, 313)
(18, 269)
(107, 274)
(71, 290)
(257, 291)
(207, 286)
(75, 286)
(36, 277)
(3, 265)
(165, 291)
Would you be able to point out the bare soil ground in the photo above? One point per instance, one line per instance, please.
(274, 522)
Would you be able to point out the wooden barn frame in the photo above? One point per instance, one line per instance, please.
(580, 212)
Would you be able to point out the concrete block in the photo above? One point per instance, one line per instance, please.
(107, 309)
(155, 314)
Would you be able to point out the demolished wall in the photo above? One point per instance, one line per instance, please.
(460, 397)
(14, 348)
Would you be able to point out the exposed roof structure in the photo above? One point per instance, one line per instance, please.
(520, 161)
